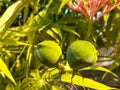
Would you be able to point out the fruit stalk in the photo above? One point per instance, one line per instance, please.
(65, 68)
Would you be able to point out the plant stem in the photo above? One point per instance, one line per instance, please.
(90, 27)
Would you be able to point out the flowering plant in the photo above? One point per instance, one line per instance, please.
(89, 8)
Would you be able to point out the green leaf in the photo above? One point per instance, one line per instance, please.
(85, 82)
(62, 4)
(9, 87)
(105, 17)
(68, 29)
(51, 33)
(114, 65)
(54, 73)
(57, 31)
(6, 71)
(49, 3)
(53, 87)
(26, 12)
(100, 69)
(10, 15)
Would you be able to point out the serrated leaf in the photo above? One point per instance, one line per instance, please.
(85, 82)
(6, 71)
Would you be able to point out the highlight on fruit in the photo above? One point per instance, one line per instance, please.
(81, 54)
(48, 53)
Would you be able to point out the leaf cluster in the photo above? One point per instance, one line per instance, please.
(25, 23)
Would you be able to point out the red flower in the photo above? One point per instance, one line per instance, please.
(89, 8)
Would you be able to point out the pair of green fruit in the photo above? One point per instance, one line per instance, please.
(79, 54)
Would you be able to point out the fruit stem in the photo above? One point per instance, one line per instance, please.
(65, 68)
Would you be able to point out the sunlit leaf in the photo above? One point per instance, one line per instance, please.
(11, 14)
(85, 82)
(37, 20)
(26, 12)
(31, 84)
(9, 87)
(6, 71)
(114, 65)
(35, 74)
(68, 29)
(100, 69)
(49, 32)
(49, 3)
(56, 88)
(62, 4)
(57, 31)
(42, 28)
(34, 81)
(106, 16)
(54, 73)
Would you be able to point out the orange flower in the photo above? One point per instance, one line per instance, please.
(89, 8)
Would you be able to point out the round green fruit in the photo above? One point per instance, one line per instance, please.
(48, 53)
(81, 54)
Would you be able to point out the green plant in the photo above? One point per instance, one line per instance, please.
(25, 24)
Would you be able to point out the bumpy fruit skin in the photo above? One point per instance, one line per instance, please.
(81, 54)
(48, 53)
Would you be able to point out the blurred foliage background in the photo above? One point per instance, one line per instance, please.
(25, 23)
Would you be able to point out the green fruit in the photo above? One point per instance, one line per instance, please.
(48, 53)
(81, 54)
